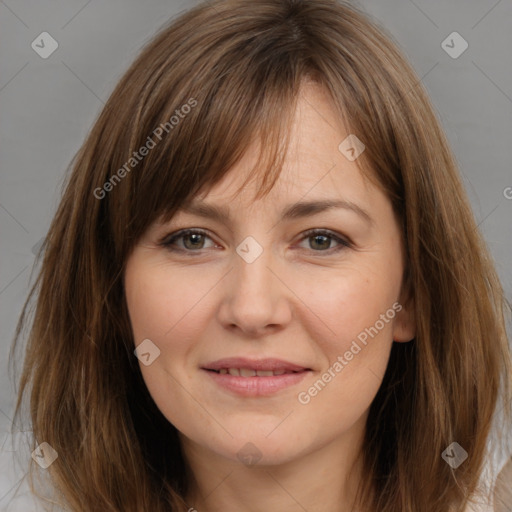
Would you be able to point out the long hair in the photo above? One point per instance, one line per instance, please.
(213, 80)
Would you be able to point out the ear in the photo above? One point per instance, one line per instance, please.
(404, 326)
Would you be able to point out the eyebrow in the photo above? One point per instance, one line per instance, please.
(290, 212)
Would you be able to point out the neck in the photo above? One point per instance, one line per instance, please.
(325, 479)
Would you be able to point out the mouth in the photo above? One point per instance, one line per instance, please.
(248, 372)
(262, 377)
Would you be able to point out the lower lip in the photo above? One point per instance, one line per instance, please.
(256, 386)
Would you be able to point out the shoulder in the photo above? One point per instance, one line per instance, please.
(479, 508)
(496, 484)
(503, 489)
(15, 492)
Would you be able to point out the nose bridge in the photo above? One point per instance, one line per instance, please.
(252, 268)
(254, 298)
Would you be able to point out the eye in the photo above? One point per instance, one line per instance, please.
(321, 239)
(193, 240)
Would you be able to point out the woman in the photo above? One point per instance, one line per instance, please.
(194, 349)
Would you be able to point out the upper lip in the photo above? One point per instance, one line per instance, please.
(255, 364)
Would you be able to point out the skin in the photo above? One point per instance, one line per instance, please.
(299, 301)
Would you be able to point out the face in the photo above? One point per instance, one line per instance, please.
(313, 313)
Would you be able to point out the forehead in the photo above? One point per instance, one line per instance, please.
(305, 177)
(313, 164)
(357, 204)
(305, 187)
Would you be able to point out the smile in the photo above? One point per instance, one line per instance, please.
(247, 372)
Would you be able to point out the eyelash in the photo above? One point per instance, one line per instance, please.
(170, 239)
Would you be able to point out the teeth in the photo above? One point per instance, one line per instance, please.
(246, 372)
(264, 373)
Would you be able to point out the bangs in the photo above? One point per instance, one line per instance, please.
(259, 121)
(232, 111)
(218, 91)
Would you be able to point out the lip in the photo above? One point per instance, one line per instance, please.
(256, 386)
(255, 364)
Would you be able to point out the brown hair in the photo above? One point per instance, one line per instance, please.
(239, 65)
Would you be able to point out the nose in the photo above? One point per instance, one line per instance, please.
(255, 298)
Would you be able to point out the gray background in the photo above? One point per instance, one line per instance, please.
(48, 106)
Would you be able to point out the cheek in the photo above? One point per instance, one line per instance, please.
(352, 303)
(353, 322)
(355, 346)
(161, 304)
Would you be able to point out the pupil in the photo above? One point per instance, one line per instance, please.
(192, 236)
(321, 240)
(325, 239)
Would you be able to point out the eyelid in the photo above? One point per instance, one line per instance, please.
(343, 241)
(167, 240)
